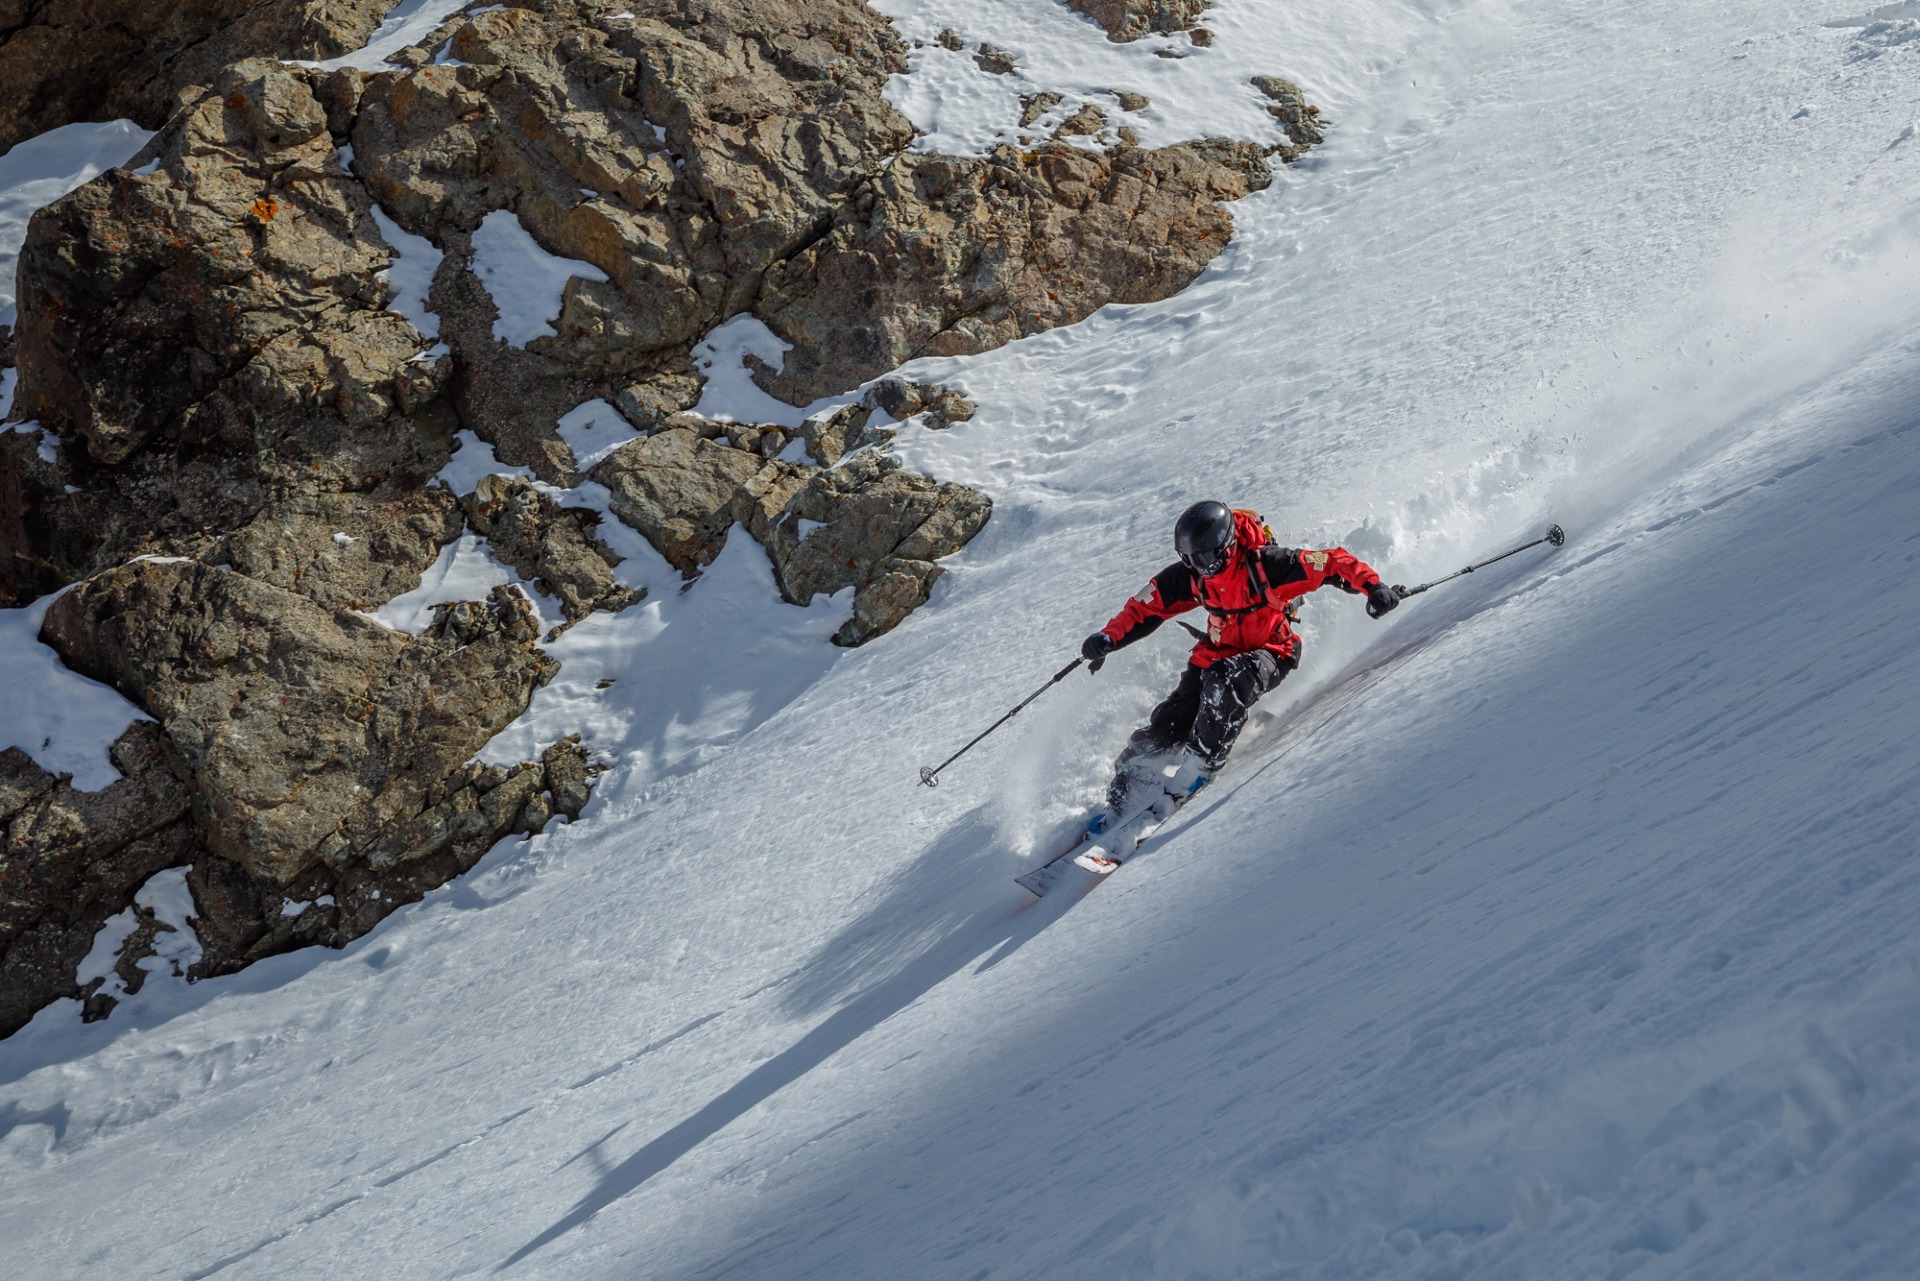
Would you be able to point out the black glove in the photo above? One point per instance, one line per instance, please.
(1095, 649)
(1381, 600)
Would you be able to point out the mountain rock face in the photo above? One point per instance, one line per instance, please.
(251, 350)
(67, 60)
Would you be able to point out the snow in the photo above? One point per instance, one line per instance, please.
(415, 260)
(593, 430)
(406, 24)
(472, 459)
(8, 377)
(42, 169)
(729, 394)
(61, 719)
(737, 661)
(1558, 925)
(466, 569)
(526, 283)
(165, 894)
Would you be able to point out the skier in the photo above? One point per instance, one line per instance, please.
(1229, 566)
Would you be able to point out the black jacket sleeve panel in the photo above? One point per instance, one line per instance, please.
(1176, 584)
(1171, 589)
(1281, 565)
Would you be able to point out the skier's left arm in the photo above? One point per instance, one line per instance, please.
(1295, 572)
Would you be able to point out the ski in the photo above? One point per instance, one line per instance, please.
(1104, 853)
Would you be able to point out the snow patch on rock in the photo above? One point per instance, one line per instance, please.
(415, 261)
(593, 430)
(527, 284)
(63, 720)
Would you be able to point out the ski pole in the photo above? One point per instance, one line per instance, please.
(928, 773)
(1554, 535)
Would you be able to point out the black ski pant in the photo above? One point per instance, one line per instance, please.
(1206, 712)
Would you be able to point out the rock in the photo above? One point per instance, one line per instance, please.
(71, 859)
(567, 776)
(950, 39)
(994, 60)
(68, 60)
(1085, 122)
(958, 256)
(1132, 101)
(212, 336)
(1125, 20)
(649, 404)
(831, 436)
(879, 530)
(1200, 36)
(1296, 115)
(903, 398)
(346, 551)
(308, 735)
(1035, 105)
(141, 296)
(243, 918)
(677, 490)
(553, 546)
(768, 113)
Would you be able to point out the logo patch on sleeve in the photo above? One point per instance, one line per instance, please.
(1145, 594)
(1316, 559)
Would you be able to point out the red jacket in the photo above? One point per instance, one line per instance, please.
(1246, 602)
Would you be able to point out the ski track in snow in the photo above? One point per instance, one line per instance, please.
(1559, 926)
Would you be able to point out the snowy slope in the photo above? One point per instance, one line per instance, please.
(1559, 927)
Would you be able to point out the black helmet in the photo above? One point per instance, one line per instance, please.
(1204, 538)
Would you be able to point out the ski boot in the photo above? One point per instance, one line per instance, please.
(1189, 775)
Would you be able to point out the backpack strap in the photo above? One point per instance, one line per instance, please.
(1256, 576)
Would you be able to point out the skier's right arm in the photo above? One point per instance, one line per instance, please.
(1167, 593)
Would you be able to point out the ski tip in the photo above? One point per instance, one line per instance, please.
(1034, 882)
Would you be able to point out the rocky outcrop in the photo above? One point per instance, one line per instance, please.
(550, 545)
(1300, 118)
(308, 735)
(677, 487)
(871, 526)
(310, 767)
(210, 337)
(858, 521)
(948, 256)
(344, 550)
(67, 60)
(681, 152)
(1125, 20)
(71, 859)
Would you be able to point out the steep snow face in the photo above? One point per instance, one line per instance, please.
(1557, 926)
